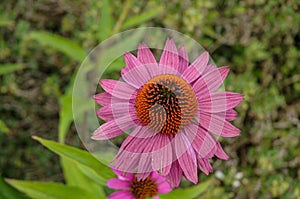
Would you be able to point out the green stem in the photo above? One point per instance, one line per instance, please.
(122, 17)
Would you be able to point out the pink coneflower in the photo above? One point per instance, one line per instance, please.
(131, 188)
(173, 109)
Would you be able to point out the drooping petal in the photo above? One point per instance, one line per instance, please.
(210, 81)
(121, 195)
(116, 183)
(156, 197)
(135, 73)
(131, 150)
(196, 68)
(114, 128)
(204, 165)
(183, 61)
(118, 89)
(175, 174)
(220, 153)
(144, 166)
(219, 102)
(162, 155)
(202, 141)
(186, 157)
(169, 57)
(217, 125)
(164, 188)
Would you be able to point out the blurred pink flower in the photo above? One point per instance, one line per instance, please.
(173, 109)
(130, 188)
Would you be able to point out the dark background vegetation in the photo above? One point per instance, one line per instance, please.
(259, 40)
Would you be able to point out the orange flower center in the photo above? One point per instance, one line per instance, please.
(165, 104)
(144, 188)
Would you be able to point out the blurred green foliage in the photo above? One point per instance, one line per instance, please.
(259, 40)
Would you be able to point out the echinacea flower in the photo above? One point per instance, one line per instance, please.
(173, 108)
(129, 187)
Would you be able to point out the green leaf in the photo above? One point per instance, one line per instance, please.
(91, 174)
(8, 192)
(60, 44)
(65, 116)
(76, 177)
(139, 19)
(4, 128)
(5, 22)
(10, 68)
(50, 190)
(78, 156)
(106, 21)
(188, 193)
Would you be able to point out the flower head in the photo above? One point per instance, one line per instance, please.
(132, 188)
(173, 108)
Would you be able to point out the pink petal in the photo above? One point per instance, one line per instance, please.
(118, 89)
(105, 99)
(175, 174)
(220, 153)
(121, 195)
(186, 157)
(123, 175)
(229, 115)
(219, 102)
(169, 57)
(135, 74)
(158, 178)
(145, 55)
(164, 188)
(145, 160)
(116, 183)
(217, 125)
(204, 165)
(183, 59)
(143, 176)
(210, 81)
(114, 111)
(156, 197)
(202, 141)
(196, 68)
(209, 68)
(162, 155)
(113, 128)
(131, 61)
(129, 155)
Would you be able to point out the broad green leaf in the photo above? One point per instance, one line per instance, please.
(91, 174)
(50, 190)
(10, 68)
(9, 192)
(60, 44)
(78, 156)
(106, 21)
(77, 178)
(139, 19)
(65, 116)
(4, 128)
(188, 193)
